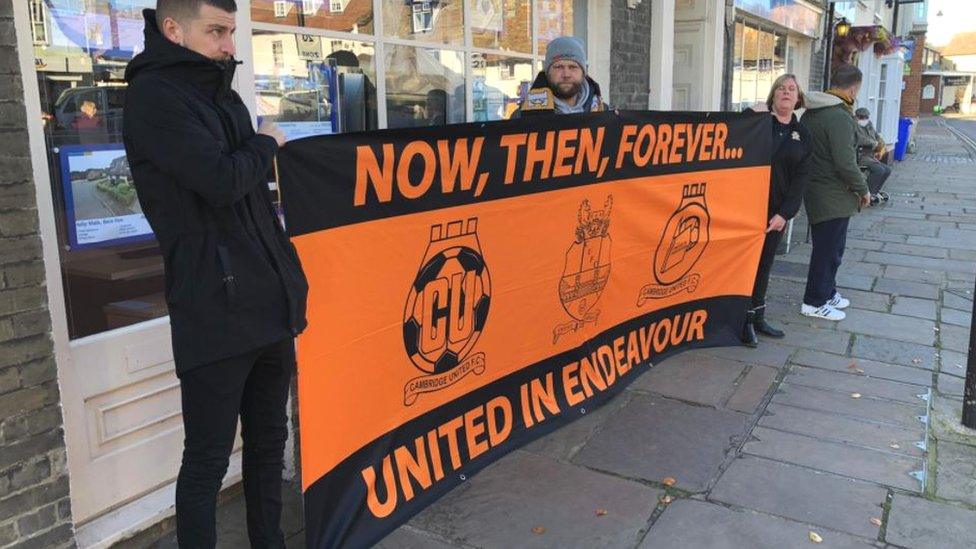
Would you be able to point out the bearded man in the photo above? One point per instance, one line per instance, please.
(564, 86)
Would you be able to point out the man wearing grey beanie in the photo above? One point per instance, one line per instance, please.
(564, 86)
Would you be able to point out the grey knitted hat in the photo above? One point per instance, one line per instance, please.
(566, 47)
(862, 112)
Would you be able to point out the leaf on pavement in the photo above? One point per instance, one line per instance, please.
(876, 521)
(601, 512)
(852, 365)
(855, 395)
(539, 530)
(815, 537)
(916, 360)
(669, 481)
(666, 499)
(894, 446)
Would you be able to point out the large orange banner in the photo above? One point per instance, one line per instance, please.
(474, 287)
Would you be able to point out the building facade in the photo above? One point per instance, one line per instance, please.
(89, 402)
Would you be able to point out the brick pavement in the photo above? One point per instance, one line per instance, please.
(842, 429)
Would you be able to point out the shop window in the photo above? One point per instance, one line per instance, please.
(39, 28)
(502, 24)
(498, 83)
(424, 87)
(278, 53)
(433, 21)
(760, 56)
(112, 272)
(314, 87)
(423, 17)
(280, 8)
(354, 16)
(560, 18)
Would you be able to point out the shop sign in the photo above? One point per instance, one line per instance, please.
(309, 47)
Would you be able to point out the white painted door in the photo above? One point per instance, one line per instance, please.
(122, 416)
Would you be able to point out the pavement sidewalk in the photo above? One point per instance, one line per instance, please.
(842, 432)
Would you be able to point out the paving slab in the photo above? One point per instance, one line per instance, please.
(802, 494)
(884, 468)
(918, 262)
(916, 251)
(853, 266)
(881, 411)
(894, 352)
(492, 511)
(652, 438)
(947, 424)
(956, 317)
(806, 332)
(837, 428)
(860, 244)
(566, 441)
(965, 244)
(863, 366)
(913, 306)
(953, 362)
(750, 392)
(695, 378)
(958, 299)
(408, 537)
(867, 300)
(700, 525)
(916, 522)
(848, 384)
(907, 288)
(956, 477)
(901, 328)
(965, 255)
(955, 338)
(767, 354)
(926, 276)
(854, 281)
(950, 386)
(968, 278)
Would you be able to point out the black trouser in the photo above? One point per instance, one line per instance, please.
(829, 239)
(765, 266)
(878, 173)
(253, 386)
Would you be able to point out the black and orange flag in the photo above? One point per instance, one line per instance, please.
(474, 287)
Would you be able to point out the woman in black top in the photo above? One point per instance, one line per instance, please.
(789, 169)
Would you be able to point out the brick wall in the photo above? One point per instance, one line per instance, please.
(911, 95)
(630, 55)
(34, 507)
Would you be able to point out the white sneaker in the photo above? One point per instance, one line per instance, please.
(839, 301)
(825, 311)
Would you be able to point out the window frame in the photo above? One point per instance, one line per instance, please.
(380, 44)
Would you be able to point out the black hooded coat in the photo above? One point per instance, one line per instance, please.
(233, 280)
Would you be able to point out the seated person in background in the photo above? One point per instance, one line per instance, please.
(870, 151)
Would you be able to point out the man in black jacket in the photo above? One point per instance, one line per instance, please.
(234, 285)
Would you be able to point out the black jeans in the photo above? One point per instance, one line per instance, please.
(765, 266)
(253, 386)
(829, 239)
(878, 173)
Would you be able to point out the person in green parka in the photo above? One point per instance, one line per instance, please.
(836, 189)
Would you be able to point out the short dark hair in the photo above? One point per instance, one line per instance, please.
(186, 10)
(845, 76)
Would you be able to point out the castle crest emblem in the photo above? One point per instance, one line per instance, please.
(587, 268)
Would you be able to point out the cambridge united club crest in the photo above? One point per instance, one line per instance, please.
(587, 268)
(682, 244)
(446, 310)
